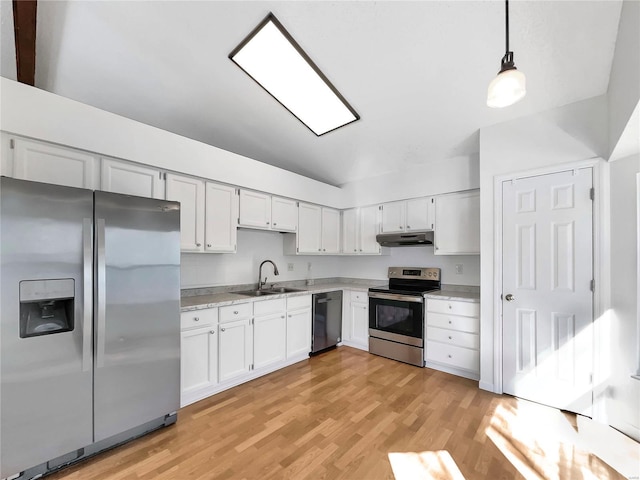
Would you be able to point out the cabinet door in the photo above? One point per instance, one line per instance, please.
(190, 193)
(235, 348)
(269, 340)
(458, 220)
(369, 230)
(393, 217)
(298, 333)
(51, 164)
(255, 209)
(309, 228)
(130, 179)
(359, 323)
(418, 214)
(330, 230)
(221, 224)
(350, 230)
(199, 359)
(284, 214)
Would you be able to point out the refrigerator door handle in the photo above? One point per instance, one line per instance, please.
(87, 280)
(100, 293)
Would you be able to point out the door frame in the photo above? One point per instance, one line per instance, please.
(601, 271)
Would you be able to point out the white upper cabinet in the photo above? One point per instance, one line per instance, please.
(413, 215)
(45, 163)
(330, 230)
(458, 224)
(309, 228)
(359, 230)
(394, 217)
(255, 209)
(190, 192)
(221, 218)
(284, 214)
(131, 179)
(318, 231)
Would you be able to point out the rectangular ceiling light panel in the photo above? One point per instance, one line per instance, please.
(277, 63)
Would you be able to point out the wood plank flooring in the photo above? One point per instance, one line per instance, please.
(334, 416)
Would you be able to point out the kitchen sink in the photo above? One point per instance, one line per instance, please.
(268, 291)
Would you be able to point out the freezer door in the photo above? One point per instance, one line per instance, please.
(45, 322)
(137, 311)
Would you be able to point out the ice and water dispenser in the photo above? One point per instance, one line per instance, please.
(46, 306)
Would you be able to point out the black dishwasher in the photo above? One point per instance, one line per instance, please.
(327, 320)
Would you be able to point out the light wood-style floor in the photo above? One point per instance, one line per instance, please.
(339, 416)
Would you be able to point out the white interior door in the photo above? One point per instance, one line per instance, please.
(547, 289)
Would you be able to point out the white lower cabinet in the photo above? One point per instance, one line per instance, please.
(298, 326)
(453, 342)
(235, 348)
(269, 332)
(199, 353)
(355, 319)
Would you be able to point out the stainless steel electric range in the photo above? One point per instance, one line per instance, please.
(396, 314)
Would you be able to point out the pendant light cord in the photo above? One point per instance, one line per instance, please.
(506, 22)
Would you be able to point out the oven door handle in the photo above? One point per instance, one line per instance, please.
(393, 296)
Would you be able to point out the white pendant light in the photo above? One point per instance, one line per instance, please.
(509, 86)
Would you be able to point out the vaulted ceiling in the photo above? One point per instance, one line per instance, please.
(416, 72)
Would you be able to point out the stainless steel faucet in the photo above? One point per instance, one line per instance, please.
(275, 272)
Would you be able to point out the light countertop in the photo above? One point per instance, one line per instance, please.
(454, 295)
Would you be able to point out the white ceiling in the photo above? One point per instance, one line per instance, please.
(416, 72)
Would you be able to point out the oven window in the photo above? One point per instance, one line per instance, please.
(393, 316)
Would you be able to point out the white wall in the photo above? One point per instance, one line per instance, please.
(254, 246)
(441, 176)
(376, 267)
(35, 113)
(571, 133)
(624, 82)
(623, 392)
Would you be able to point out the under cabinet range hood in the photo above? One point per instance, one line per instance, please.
(404, 239)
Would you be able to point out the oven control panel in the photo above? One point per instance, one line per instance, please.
(422, 273)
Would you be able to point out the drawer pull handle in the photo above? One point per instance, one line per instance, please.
(212, 332)
(449, 307)
(235, 312)
(222, 330)
(449, 322)
(450, 337)
(449, 356)
(196, 319)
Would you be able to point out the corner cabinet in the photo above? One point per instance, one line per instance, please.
(318, 231)
(359, 229)
(458, 224)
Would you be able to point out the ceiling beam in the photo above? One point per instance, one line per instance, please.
(24, 25)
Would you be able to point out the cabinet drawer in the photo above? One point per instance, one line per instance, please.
(453, 322)
(235, 312)
(198, 318)
(453, 337)
(468, 309)
(359, 297)
(299, 302)
(269, 307)
(454, 356)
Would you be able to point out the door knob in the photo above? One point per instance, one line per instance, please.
(509, 298)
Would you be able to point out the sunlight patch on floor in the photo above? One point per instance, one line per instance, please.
(424, 466)
(542, 444)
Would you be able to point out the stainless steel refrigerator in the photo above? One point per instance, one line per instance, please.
(89, 322)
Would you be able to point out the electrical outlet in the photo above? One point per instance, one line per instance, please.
(458, 269)
(290, 267)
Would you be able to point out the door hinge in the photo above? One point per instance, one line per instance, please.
(238, 191)
(593, 285)
(251, 367)
(12, 144)
(238, 220)
(591, 378)
(380, 207)
(592, 193)
(297, 204)
(432, 200)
